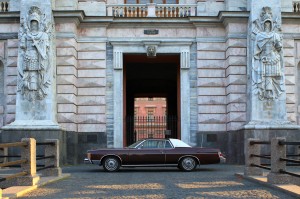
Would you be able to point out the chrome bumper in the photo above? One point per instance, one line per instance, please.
(222, 160)
(87, 161)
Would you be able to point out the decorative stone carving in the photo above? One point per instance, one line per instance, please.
(118, 60)
(151, 51)
(34, 72)
(267, 69)
(185, 60)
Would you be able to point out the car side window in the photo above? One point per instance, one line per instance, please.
(150, 144)
(168, 145)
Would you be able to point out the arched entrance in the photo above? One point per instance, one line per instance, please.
(147, 83)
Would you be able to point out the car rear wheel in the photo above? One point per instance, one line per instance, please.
(187, 164)
(111, 164)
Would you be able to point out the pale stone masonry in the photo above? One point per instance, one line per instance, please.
(215, 99)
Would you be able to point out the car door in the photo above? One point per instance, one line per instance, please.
(150, 152)
(171, 153)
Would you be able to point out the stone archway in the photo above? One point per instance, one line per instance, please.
(141, 47)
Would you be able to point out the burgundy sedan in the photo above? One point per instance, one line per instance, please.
(155, 152)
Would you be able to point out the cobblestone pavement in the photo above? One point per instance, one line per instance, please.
(211, 181)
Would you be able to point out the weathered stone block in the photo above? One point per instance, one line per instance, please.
(236, 42)
(66, 108)
(212, 91)
(91, 82)
(236, 107)
(239, 98)
(211, 127)
(211, 73)
(211, 82)
(211, 64)
(66, 43)
(92, 55)
(91, 46)
(91, 91)
(212, 118)
(91, 119)
(212, 100)
(92, 8)
(91, 127)
(236, 70)
(66, 61)
(236, 61)
(236, 117)
(91, 73)
(236, 89)
(234, 126)
(91, 64)
(66, 98)
(66, 52)
(213, 55)
(211, 109)
(211, 46)
(90, 100)
(66, 117)
(66, 79)
(66, 70)
(237, 79)
(66, 89)
(236, 52)
(91, 109)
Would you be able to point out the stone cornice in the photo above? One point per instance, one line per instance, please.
(79, 17)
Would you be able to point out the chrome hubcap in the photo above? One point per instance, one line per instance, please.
(111, 164)
(188, 163)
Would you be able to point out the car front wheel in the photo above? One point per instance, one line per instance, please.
(187, 164)
(111, 164)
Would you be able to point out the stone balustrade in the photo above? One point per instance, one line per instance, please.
(296, 6)
(4, 5)
(151, 10)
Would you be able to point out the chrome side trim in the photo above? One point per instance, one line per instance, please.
(151, 165)
(99, 161)
(189, 156)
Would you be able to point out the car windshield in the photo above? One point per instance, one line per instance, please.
(135, 144)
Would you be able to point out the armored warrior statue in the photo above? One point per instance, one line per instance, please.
(34, 70)
(267, 67)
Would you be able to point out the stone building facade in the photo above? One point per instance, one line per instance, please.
(211, 45)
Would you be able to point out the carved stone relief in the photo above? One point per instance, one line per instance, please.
(34, 71)
(267, 69)
(151, 51)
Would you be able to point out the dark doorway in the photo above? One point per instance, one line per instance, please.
(151, 78)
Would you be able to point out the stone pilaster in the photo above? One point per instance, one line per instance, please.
(36, 87)
(266, 82)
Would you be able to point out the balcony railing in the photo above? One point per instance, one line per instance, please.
(4, 6)
(151, 10)
(296, 6)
